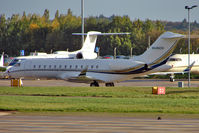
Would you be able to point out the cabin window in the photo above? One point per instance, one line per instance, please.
(59, 66)
(65, 66)
(92, 66)
(54, 66)
(49, 66)
(81, 66)
(97, 66)
(44, 66)
(39, 66)
(34, 66)
(70, 66)
(175, 59)
(76, 66)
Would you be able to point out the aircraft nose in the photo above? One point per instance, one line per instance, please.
(168, 66)
(8, 70)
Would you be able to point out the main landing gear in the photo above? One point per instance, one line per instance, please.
(94, 84)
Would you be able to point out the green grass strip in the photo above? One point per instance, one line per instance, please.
(88, 104)
(101, 99)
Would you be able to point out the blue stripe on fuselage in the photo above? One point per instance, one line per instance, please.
(138, 71)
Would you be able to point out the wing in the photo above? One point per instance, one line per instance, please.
(78, 77)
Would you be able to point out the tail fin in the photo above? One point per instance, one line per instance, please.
(161, 49)
(2, 60)
(90, 41)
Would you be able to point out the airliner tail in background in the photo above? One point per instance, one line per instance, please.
(2, 60)
(88, 48)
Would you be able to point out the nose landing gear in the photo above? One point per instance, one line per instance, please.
(172, 78)
(109, 84)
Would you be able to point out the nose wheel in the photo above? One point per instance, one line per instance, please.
(110, 84)
(172, 78)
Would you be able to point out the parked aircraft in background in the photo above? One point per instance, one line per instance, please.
(179, 64)
(99, 70)
(86, 52)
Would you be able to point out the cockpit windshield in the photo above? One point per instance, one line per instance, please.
(14, 61)
(175, 59)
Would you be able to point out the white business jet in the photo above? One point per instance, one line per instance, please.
(179, 65)
(99, 70)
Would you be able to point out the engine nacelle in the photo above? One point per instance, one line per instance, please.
(86, 55)
(79, 55)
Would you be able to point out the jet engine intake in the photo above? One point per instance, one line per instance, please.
(86, 55)
(79, 55)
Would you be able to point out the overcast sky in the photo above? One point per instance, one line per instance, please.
(169, 10)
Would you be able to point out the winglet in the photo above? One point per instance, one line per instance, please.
(189, 67)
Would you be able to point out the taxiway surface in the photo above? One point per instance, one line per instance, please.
(133, 82)
(97, 124)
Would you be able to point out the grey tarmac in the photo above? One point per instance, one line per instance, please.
(132, 82)
(24, 123)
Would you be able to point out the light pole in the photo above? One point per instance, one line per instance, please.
(188, 8)
(82, 15)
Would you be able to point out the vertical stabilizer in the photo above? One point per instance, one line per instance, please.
(88, 48)
(90, 41)
(161, 49)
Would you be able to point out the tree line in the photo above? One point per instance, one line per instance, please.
(33, 32)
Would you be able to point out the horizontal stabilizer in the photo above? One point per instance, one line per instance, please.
(101, 34)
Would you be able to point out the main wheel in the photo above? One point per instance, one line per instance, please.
(94, 84)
